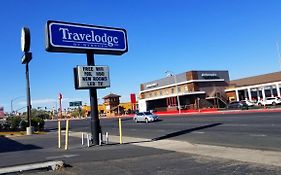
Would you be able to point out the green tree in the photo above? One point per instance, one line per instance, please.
(78, 112)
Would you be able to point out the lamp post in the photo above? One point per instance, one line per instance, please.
(169, 73)
(12, 109)
(27, 56)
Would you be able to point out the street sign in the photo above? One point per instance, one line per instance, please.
(82, 38)
(75, 103)
(92, 76)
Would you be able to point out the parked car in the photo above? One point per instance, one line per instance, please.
(145, 117)
(270, 101)
(248, 102)
(237, 105)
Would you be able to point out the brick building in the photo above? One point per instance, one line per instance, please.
(192, 89)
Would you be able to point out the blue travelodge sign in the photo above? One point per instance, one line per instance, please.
(82, 38)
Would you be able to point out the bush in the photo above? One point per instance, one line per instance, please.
(22, 125)
(38, 123)
(13, 122)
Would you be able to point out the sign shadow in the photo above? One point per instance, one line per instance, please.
(182, 132)
(9, 145)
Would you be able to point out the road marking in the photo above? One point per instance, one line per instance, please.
(258, 135)
(198, 132)
(62, 156)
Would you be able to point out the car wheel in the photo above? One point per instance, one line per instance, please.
(259, 104)
(273, 103)
(136, 120)
(146, 120)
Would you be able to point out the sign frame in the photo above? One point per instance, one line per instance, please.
(50, 47)
(76, 78)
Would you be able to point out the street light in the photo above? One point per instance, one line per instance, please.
(12, 109)
(169, 73)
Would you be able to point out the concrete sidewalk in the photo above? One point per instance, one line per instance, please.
(239, 154)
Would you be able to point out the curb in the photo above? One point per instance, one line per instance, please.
(28, 167)
(225, 112)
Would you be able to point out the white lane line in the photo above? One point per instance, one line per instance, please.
(62, 156)
(198, 132)
(258, 135)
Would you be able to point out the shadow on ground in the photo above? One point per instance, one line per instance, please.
(173, 134)
(9, 145)
(178, 133)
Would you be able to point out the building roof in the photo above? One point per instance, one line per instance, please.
(260, 79)
(111, 95)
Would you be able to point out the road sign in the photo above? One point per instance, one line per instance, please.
(92, 76)
(82, 38)
(75, 103)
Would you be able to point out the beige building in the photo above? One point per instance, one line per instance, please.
(255, 88)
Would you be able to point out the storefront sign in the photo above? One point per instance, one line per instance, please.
(92, 76)
(151, 85)
(81, 38)
(209, 75)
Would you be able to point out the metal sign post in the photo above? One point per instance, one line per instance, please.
(28, 96)
(90, 39)
(95, 121)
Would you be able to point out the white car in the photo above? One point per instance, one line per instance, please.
(270, 101)
(248, 102)
(145, 117)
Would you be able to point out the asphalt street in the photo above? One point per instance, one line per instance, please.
(120, 159)
(255, 131)
(248, 130)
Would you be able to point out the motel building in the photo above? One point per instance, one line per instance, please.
(193, 90)
(205, 89)
(254, 88)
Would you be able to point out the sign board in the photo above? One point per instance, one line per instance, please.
(75, 103)
(82, 38)
(91, 77)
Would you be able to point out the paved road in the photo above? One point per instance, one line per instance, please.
(120, 159)
(253, 130)
(248, 130)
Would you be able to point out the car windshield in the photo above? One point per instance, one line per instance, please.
(147, 113)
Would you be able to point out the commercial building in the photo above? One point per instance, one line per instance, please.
(112, 106)
(255, 88)
(205, 89)
(193, 89)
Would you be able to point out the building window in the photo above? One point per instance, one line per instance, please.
(186, 88)
(179, 89)
(147, 95)
(150, 94)
(172, 90)
(167, 92)
(155, 93)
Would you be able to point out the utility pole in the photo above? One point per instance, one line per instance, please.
(176, 85)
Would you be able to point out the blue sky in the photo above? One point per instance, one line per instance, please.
(181, 35)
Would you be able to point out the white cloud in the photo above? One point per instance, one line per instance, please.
(39, 101)
(52, 102)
